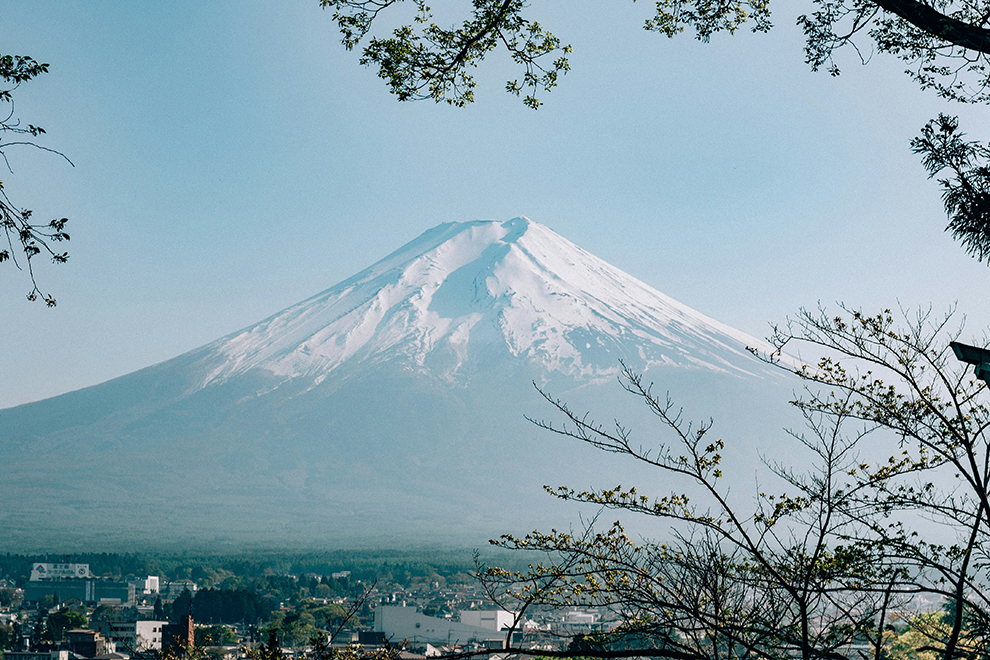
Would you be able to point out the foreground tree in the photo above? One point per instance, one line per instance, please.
(25, 240)
(966, 189)
(64, 620)
(895, 505)
(944, 43)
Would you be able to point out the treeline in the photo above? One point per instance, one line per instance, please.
(222, 606)
(231, 571)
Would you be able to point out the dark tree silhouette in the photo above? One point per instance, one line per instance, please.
(966, 191)
(25, 239)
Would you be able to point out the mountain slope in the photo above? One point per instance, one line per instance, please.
(389, 405)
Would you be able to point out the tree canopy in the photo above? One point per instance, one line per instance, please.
(944, 43)
(64, 620)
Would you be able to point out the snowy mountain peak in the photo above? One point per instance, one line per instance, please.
(462, 295)
(391, 403)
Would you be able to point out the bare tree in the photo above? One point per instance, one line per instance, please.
(927, 505)
(770, 579)
(893, 506)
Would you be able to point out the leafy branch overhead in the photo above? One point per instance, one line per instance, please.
(424, 60)
(944, 43)
(25, 240)
(966, 191)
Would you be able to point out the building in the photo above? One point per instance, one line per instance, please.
(575, 621)
(91, 592)
(36, 655)
(63, 581)
(173, 590)
(135, 636)
(489, 619)
(406, 623)
(176, 637)
(145, 586)
(89, 643)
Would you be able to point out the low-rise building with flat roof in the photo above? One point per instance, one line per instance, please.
(407, 623)
(135, 636)
(61, 654)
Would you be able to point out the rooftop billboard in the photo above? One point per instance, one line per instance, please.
(40, 571)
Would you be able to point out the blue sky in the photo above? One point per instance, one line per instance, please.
(231, 158)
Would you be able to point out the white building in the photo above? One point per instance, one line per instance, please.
(135, 635)
(489, 619)
(576, 621)
(145, 586)
(40, 655)
(577, 617)
(174, 589)
(400, 623)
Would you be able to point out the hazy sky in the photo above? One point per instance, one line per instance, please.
(231, 158)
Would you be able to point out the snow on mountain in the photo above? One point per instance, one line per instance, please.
(461, 288)
(390, 406)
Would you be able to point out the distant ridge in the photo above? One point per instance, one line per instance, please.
(392, 401)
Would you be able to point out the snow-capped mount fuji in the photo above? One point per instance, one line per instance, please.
(389, 405)
(448, 302)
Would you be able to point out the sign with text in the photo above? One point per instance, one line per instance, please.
(41, 571)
